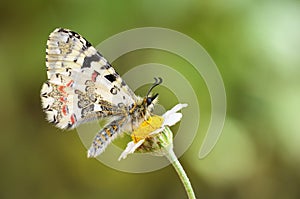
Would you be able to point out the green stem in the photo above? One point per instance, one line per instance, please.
(182, 175)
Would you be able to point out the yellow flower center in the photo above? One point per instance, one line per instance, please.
(147, 127)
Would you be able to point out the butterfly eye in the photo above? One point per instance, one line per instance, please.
(149, 100)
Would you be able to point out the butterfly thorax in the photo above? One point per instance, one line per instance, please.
(141, 110)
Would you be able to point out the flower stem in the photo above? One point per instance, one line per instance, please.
(182, 175)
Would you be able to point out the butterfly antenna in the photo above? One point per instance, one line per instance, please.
(157, 82)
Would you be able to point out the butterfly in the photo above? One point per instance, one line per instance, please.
(82, 86)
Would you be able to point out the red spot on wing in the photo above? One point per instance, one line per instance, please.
(70, 83)
(94, 76)
(73, 119)
(65, 110)
(62, 99)
(61, 89)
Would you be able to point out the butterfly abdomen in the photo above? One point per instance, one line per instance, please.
(106, 135)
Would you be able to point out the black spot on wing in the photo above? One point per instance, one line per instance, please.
(110, 77)
(54, 120)
(73, 33)
(88, 60)
(69, 126)
(113, 91)
(123, 83)
(86, 45)
(47, 107)
(106, 66)
(63, 30)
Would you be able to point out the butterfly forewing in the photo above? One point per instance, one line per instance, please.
(81, 85)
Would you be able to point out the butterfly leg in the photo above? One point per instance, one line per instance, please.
(105, 136)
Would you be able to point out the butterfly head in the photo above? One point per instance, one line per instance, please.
(150, 99)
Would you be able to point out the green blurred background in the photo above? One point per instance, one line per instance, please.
(255, 45)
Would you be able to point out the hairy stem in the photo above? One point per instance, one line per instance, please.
(181, 173)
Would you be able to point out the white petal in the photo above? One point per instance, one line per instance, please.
(178, 107)
(174, 109)
(172, 119)
(131, 147)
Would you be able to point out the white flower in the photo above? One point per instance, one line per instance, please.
(147, 133)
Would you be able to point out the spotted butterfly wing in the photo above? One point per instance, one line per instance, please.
(81, 83)
(82, 86)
